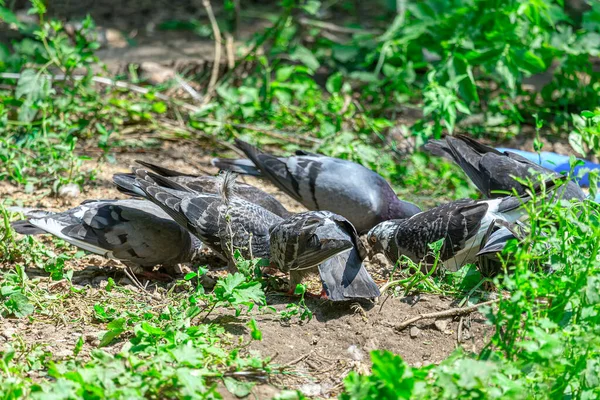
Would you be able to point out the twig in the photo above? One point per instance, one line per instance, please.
(186, 86)
(109, 82)
(297, 360)
(459, 330)
(229, 50)
(336, 28)
(137, 283)
(447, 313)
(218, 41)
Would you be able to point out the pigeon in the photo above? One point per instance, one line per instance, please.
(462, 224)
(207, 184)
(223, 221)
(325, 183)
(492, 171)
(131, 231)
(327, 242)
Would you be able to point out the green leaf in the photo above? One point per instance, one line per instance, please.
(588, 114)
(238, 388)
(19, 305)
(32, 86)
(118, 323)
(312, 7)
(78, 346)
(190, 275)
(576, 142)
(334, 83)
(306, 57)
(9, 17)
(159, 107)
(344, 53)
(108, 337)
(394, 373)
(152, 330)
(255, 332)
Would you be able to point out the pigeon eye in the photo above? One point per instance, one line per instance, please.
(373, 239)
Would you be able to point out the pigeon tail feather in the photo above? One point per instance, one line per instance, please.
(240, 166)
(227, 187)
(126, 184)
(345, 278)
(161, 170)
(24, 227)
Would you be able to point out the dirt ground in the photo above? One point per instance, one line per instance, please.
(318, 354)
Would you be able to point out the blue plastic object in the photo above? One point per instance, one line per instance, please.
(556, 162)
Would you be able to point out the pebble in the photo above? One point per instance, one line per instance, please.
(311, 389)
(355, 353)
(62, 353)
(71, 191)
(414, 332)
(441, 325)
(7, 333)
(155, 73)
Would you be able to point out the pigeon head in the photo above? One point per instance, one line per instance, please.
(381, 236)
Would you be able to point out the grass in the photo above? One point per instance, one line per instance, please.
(449, 62)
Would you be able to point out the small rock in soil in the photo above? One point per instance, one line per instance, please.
(155, 73)
(414, 332)
(69, 191)
(311, 389)
(355, 353)
(442, 325)
(7, 333)
(466, 335)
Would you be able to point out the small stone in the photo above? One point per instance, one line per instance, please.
(311, 389)
(315, 341)
(62, 353)
(69, 191)
(414, 332)
(115, 39)
(466, 335)
(155, 73)
(8, 332)
(355, 353)
(92, 339)
(441, 325)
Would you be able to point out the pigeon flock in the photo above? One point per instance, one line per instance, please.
(173, 217)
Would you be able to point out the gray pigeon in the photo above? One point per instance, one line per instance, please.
(326, 183)
(327, 242)
(492, 171)
(132, 231)
(207, 184)
(462, 224)
(224, 222)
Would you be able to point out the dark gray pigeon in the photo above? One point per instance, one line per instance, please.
(207, 184)
(325, 183)
(327, 242)
(462, 224)
(132, 231)
(224, 222)
(492, 171)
